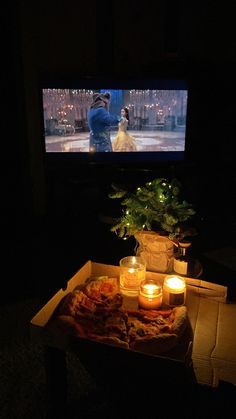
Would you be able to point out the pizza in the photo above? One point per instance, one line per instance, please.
(156, 331)
(103, 290)
(94, 310)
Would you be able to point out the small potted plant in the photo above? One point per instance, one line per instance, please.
(157, 216)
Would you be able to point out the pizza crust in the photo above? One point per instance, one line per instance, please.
(112, 341)
(180, 320)
(155, 345)
(69, 325)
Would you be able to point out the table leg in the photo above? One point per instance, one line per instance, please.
(56, 374)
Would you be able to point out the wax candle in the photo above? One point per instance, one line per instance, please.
(150, 295)
(174, 290)
(132, 273)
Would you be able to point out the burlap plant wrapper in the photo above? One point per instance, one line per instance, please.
(156, 250)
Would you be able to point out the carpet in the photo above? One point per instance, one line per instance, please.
(22, 375)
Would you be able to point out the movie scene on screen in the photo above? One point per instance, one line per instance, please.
(78, 120)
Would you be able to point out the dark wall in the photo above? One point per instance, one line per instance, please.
(161, 38)
(166, 38)
(197, 41)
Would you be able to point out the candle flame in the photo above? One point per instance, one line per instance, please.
(150, 289)
(175, 282)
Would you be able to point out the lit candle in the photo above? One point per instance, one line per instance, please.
(150, 295)
(132, 273)
(174, 290)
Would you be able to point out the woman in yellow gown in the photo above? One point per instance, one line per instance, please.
(123, 141)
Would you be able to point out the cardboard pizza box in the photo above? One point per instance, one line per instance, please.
(203, 300)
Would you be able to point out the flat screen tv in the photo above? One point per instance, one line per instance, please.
(157, 123)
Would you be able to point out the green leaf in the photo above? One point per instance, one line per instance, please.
(157, 204)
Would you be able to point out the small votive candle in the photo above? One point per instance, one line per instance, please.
(174, 290)
(132, 273)
(150, 295)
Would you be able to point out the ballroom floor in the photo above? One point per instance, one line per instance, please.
(145, 140)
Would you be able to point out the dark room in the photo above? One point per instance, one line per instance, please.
(118, 209)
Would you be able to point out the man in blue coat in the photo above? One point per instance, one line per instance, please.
(99, 122)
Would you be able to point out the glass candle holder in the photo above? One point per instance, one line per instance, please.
(150, 295)
(174, 290)
(132, 273)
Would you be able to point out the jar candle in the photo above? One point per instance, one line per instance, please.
(174, 290)
(150, 295)
(132, 273)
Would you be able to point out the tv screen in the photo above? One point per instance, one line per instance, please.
(101, 120)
